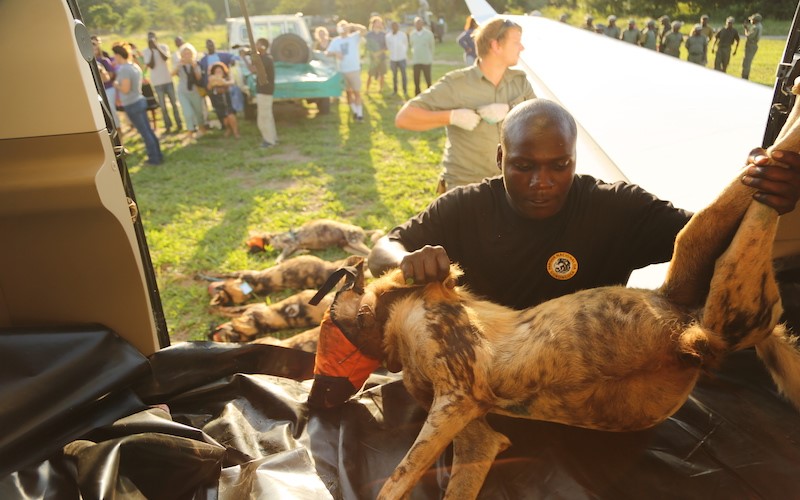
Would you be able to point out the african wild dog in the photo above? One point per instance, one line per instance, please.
(303, 341)
(610, 358)
(298, 273)
(315, 235)
(255, 320)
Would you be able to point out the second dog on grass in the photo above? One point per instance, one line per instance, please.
(298, 273)
(315, 235)
(252, 321)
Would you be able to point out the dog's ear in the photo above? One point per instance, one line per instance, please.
(291, 310)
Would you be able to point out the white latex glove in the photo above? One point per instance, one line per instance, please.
(493, 113)
(464, 118)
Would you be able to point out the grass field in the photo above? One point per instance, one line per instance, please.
(199, 207)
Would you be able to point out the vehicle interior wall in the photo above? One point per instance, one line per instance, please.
(69, 252)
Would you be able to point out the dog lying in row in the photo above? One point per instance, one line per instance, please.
(304, 341)
(252, 321)
(298, 273)
(315, 235)
(610, 358)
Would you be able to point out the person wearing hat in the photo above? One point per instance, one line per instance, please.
(697, 45)
(672, 42)
(708, 32)
(723, 40)
(588, 23)
(649, 38)
(612, 30)
(156, 57)
(752, 34)
(666, 28)
(632, 34)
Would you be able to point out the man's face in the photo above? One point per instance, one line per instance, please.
(510, 47)
(178, 41)
(395, 27)
(419, 24)
(210, 47)
(538, 170)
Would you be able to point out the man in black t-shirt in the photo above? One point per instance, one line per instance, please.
(540, 231)
(264, 95)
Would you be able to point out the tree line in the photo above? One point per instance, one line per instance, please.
(193, 15)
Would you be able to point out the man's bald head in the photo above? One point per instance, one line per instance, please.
(534, 116)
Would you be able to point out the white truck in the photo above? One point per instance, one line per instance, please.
(300, 72)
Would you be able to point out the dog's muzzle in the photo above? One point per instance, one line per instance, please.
(340, 369)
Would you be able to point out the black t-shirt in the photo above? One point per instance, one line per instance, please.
(603, 232)
(269, 66)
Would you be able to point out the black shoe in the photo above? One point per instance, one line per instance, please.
(359, 118)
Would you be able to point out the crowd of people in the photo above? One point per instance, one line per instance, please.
(667, 38)
(139, 81)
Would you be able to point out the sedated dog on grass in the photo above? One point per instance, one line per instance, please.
(298, 273)
(315, 235)
(610, 358)
(252, 321)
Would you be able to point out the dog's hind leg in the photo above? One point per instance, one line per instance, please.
(781, 354)
(707, 234)
(356, 248)
(449, 414)
(474, 451)
(744, 304)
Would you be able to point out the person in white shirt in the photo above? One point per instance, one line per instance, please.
(345, 48)
(156, 57)
(397, 44)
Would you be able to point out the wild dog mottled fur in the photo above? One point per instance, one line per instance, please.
(612, 358)
(315, 235)
(304, 341)
(298, 273)
(256, 320)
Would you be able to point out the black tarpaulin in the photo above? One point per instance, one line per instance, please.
(235, 425)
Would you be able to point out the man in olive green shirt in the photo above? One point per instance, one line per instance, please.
(421, 43)
(752, 34)
(471, 103)
(672, 42)
(707, 31)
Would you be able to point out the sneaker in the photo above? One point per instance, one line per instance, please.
(359, 118)
(265, 144)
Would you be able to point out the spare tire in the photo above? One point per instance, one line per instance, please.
(290, 48)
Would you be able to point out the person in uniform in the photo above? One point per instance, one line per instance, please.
(666, 29)
(650, 36)
(696, 45)
(723, 41)
(588, 23)
(612, 30)
(708, 32)
(632, 34)
(672, 42)
(752, 34)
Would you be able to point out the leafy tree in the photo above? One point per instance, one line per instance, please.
(197, 15)
(136, 19)
(165, 14)
(102, 18)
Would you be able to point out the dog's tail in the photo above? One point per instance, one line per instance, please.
(781, 353)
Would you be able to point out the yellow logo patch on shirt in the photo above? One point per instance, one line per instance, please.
(562, 266)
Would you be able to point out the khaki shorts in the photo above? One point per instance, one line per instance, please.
(352, 80)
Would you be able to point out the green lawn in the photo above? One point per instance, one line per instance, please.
(199, 207)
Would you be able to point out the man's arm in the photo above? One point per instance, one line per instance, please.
(428, 264)
(418, 119)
